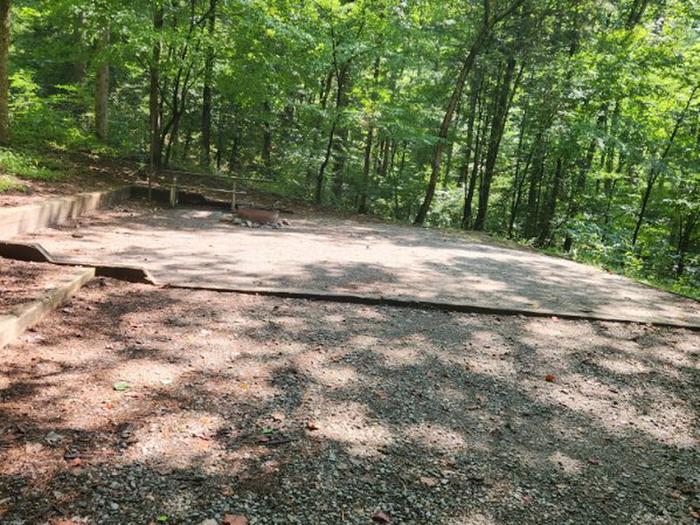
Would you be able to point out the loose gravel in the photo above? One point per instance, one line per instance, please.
(142, 405)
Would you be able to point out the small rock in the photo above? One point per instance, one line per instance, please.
(235, 519)
(209, 521)
(381, 517)
(53, 438)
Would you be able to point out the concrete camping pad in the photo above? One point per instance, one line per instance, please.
(193, 247)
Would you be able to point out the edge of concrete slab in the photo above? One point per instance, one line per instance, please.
(35, 252)
(26, 315)
(420, 304)
(29, 218)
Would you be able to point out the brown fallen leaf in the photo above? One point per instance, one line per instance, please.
(310, 425)
(381, 517)
(235, 519)
(550, 378)
(75, 462)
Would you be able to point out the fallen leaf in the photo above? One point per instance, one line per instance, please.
(120, 386)
(550, 378)
(311, 425)
(75, 462)
(235, 519)
(381, 517)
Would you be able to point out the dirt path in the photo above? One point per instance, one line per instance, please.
(135, 403)
(22, 282)
(192, 247)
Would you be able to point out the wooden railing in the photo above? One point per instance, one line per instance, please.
(173, 179)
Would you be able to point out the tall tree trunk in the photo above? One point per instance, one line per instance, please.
(4, 72)
(79, 66)
(480, 39)
(655, 169)
(266, 152)
(473, 99)
(366, 168)
(533, 193)
(436, 162)
(470, 185)
(341, 77)
(340, 144)
(154, 103)
(551, 205)
(205, 159)
(102, 88)
(518, 177)
(499, 123)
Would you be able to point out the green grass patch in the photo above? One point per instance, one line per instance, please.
(28, 165)
(8, 183)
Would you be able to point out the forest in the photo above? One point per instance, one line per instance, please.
(571, 126)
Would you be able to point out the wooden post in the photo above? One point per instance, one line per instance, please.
(150, 175)
(233, 195)
(173, 192)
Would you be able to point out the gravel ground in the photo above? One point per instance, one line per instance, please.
(21, 282)
(325, 254)
(139, 405)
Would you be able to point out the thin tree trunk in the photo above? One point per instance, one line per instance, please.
(362, 208)
(533, 193)
(102, 88)
(473, 99)
(207, 95)
(436, 162)
(482, 36)
(154, 103)
(655, 169)
(340, 145)
(470, 186)
(4, 72)
(266, 152)
(497, 129)
(551, 205)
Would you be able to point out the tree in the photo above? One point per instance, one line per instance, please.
(4, 72)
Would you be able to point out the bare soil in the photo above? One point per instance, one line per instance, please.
(22, 282)
(135, 404)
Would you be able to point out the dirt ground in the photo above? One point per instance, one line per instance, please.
(80, 172)
(21, 282)
(321, 254)
(139, 405)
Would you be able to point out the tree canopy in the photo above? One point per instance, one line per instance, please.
(571, 125)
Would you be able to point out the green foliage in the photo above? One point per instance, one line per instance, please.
(25, 165)
(601, 107)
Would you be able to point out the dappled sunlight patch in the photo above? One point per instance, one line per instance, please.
(488, 353)
(349, 424)
(178, 440)
(334, 376)
(400, 356)
(362, 341)
(565, 463)
(622, 366)
(35, 460)
(435, 437)
(662, 416)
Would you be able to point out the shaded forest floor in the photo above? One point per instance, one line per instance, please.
(135, 403)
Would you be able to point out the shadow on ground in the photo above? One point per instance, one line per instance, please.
(299, 412)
